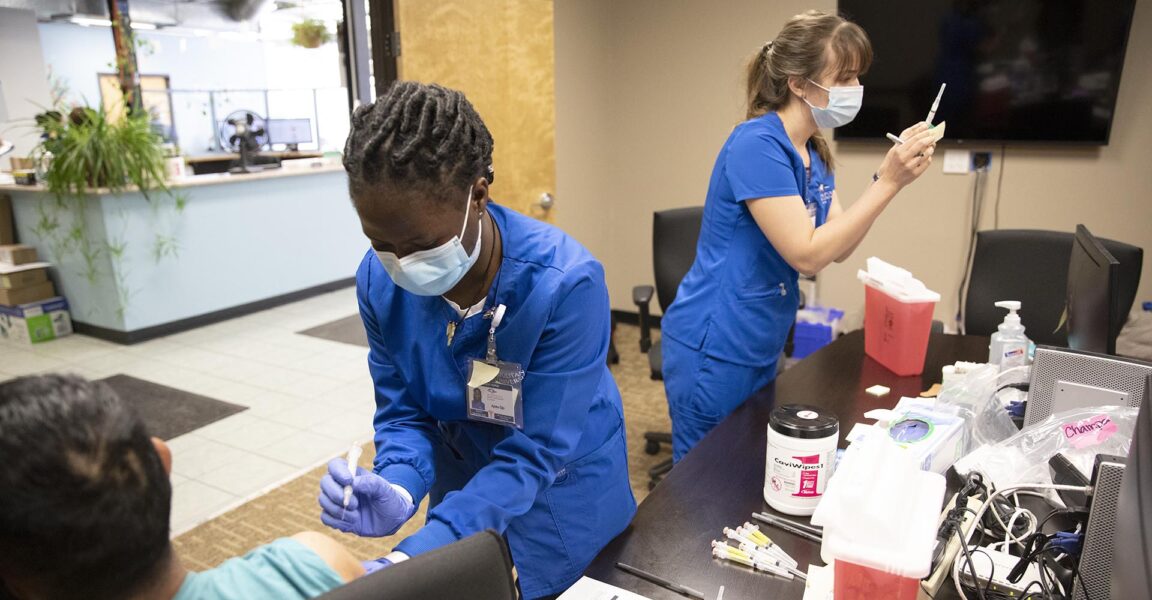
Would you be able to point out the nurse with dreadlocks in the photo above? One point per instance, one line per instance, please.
(488, 334)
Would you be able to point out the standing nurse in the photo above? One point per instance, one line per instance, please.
(488, 333)
(771, 212)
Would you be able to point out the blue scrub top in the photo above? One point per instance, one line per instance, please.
(558, 489)
(740, 297)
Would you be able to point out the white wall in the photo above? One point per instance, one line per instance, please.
(663, 87)
(583, 113)
(22, 73)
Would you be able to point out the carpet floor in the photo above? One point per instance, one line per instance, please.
(293, 507)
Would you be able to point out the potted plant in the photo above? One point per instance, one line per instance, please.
(83, 151)
(310, 33)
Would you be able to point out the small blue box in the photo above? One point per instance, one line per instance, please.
(815, 328)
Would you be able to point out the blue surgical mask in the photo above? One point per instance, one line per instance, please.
(434, 272)
(843, 104)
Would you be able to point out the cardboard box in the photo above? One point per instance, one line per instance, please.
(23, 278)
(35, 322)
(25, 295)
(17, 276)
(7, 224)
(17, 254)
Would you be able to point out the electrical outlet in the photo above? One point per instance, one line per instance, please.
(981, 161)
(957, 162)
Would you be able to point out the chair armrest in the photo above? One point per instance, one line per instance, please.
(642, 297)
(642, 294)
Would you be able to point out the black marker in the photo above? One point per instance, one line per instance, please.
(675, 587)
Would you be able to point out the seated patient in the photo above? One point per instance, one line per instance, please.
(84, 509)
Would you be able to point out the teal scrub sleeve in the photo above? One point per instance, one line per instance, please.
(286, 569)
(758, 166)
(405, 433)
(560, 386)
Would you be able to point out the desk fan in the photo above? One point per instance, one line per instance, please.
(243, 131)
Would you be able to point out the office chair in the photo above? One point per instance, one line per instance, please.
(674, 236)
(477, 566)
(1031, 265)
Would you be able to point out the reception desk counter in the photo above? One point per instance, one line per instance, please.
(144, 268)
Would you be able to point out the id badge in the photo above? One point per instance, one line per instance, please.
(495, 392)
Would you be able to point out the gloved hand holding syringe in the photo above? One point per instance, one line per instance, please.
(356, 500)
(353, 458)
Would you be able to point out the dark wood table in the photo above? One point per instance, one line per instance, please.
(720, 482)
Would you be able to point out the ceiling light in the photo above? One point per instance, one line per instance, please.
(90, 22)
(93, 22)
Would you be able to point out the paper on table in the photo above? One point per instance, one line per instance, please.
(482, 373)
(820, 583)
(6, 268)
(591, 589)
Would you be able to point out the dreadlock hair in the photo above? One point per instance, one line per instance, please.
(417, 135)
(800, 50)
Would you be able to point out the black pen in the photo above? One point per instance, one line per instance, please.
(675, 587)
(788, 528)
(797, 524)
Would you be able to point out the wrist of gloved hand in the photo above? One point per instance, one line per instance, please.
(371, 566)
(376, 507)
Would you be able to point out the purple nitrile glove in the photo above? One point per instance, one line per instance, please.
(371, 566)
(375, 509)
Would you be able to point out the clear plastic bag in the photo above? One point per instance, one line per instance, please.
(1078, 434)
(973, 397)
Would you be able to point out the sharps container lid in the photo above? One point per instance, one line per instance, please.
(803, 421)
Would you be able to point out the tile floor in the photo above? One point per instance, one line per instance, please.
(308, 399)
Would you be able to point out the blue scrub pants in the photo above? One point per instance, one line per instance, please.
(703, 390)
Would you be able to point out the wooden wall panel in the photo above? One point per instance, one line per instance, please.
(500, 53)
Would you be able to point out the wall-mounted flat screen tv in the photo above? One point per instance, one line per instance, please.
(1044, 71)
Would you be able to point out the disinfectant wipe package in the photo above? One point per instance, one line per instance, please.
(1078, 434)
(938, 431)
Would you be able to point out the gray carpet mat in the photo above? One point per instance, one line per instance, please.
(168, 412)
(349, 330)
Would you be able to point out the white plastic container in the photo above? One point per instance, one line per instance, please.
(880, 518)
(801, 454)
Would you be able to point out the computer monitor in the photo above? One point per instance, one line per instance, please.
(290, 131)
(1093, 295)
(1064, 379)
(1132, 573)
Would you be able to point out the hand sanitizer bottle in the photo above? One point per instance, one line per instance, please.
(1009, 347)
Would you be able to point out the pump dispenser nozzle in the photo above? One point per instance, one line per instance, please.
(1012, 306)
